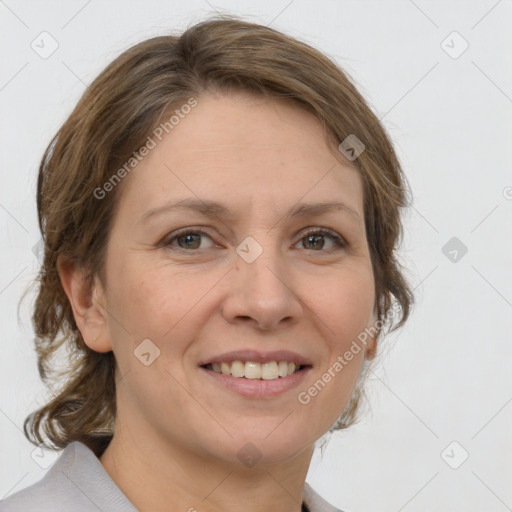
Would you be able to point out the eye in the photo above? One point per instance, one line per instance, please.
(190, 239)
(313, 239)
(187, 238)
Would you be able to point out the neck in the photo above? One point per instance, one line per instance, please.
(159, 476)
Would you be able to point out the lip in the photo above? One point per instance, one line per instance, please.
(257, 388)
(257, 356)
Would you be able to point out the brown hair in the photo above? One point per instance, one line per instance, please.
(113, 119)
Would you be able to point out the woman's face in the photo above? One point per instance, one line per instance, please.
(251, 283)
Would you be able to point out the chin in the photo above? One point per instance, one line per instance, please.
(270, 443)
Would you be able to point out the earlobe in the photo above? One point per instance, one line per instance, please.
(372, 349)
(373, 330)
(86, 299)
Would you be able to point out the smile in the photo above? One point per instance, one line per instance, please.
(252, 370)
(255, 388)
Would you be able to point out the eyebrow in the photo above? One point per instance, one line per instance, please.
(216, 209)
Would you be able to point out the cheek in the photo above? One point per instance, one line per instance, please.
(145, 297)
(161, 304)
(149, 305)
(140, 307)
(345, 309)
(346, 304)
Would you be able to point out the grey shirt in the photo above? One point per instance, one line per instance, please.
(78, 482)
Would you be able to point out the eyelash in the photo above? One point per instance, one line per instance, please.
(339, 240)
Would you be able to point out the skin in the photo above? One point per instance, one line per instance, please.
(177, 434)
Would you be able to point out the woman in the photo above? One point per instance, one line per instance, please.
(220, 214)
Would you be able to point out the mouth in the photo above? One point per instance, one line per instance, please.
(253, 374)
(253, 370)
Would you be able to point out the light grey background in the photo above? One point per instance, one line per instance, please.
(446, 376)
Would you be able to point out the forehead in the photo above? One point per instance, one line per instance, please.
(249, 122)
(243, 149)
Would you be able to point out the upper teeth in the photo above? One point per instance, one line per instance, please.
(251, 370)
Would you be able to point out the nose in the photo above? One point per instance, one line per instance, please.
(261, 293)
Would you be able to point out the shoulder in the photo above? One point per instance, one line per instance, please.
(76, 481)
(314, 501)
(43, 494)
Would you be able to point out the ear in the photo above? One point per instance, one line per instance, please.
(373, 330)
(88, 303)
